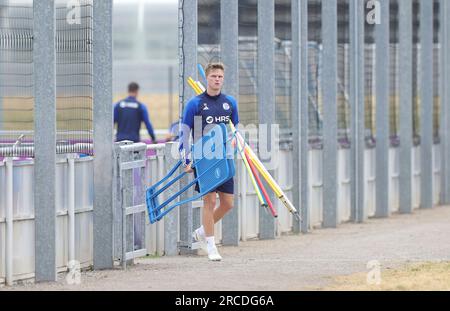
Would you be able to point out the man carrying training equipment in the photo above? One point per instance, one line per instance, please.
(212, 107)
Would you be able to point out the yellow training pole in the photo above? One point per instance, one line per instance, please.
(194, 85)
(272, 183)
(250, 173)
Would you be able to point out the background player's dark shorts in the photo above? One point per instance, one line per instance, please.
(227, 187)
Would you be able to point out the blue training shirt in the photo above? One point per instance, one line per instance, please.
(212, 110)
(128, 114)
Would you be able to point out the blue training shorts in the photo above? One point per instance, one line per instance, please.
(227, 187)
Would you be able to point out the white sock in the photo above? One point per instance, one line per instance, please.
(201, 231)
(210, 242)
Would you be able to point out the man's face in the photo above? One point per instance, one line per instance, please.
(215, 79)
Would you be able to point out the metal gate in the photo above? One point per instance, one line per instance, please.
(129, 203)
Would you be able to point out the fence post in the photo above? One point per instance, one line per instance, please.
(358, 145)
(117, 208)
(9, 215)
(426, 103)
(405, 90)
(230, 52)
(300, 112)
(161, 164)
(444, 99)
(171, 219)
(382, 114)
(329, 41)
(103, 135)
(71, 205)
(188, 68)
(266, 94)
(126, 199)
(45, 140)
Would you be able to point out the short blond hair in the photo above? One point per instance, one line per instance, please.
(213, 66)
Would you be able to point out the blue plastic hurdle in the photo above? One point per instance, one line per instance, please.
(212, 166)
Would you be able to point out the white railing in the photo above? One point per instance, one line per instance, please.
(74, 204)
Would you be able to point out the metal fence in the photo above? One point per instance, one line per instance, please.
(16, 74)
(318, 18)
(74, 75)
(334, 73)
(51, 74)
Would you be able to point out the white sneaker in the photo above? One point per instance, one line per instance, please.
(213, 254)
(201, 239)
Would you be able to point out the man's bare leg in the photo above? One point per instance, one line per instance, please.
(226, 204)
(209, 204)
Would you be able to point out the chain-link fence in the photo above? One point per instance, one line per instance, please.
(16, 75)
(73, 77)
(283, 85)
(74, 74)
(209, 51)
(394, 94)
(74, 71)
(315, 105)
(394, 99)
(248, 81)
(369, 94)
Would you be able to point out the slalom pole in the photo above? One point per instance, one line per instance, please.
(266, 175)
(200, 86)
(272, 183)
(194, 85)
(261, 186)
(258, 191)
(202, 72)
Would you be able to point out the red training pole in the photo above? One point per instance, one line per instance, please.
(261, 186)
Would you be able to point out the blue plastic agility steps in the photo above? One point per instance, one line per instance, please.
(212, 166)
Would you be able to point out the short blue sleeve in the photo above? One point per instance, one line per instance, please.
(235, 110)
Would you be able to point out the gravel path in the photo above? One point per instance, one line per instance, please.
(287, 263)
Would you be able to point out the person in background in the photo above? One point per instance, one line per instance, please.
(129, 113)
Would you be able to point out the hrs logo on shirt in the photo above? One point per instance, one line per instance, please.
(221, 119)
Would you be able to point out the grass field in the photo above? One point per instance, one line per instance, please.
(76, 113)
(428, 276)
(19, 111)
